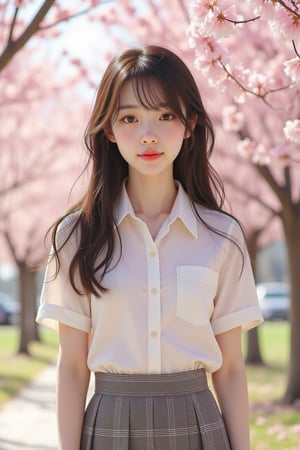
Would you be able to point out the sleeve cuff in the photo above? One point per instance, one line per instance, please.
(247, 318)
(51, 315)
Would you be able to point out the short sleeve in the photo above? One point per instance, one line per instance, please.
(236, 302)
(59, 301)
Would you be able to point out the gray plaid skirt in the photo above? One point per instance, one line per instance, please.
(153, 412)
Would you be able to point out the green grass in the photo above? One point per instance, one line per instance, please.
(17, 369)
(273, 425)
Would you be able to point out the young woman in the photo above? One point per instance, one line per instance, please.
(149, 282)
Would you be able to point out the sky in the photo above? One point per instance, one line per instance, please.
(86, 40)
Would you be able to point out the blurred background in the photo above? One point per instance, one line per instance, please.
(52, 57)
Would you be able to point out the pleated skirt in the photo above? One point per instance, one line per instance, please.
(153, 412)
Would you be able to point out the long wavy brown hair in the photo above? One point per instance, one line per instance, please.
(146, 68)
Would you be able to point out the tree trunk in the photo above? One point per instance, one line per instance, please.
(292, 232)
(253, 355)
(27, 292)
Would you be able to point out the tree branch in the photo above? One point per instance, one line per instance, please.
(73, 16)
(12, 26)
(13, 46)
(295, 48)
(292, 11)
(248, 91)
(237, 22)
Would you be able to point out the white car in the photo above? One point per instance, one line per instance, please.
(274, 300)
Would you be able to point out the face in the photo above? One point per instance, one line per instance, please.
(149, 140)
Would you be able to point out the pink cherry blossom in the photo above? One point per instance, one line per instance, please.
(261, 68)
(229, 85)
(246, 148)
(208, 55)
(20, 3)
(235, 82)
(219, 21)
(295, 428)
(292, 69)
(292, 130)
(258, 83)
(285, 24)
(280, 154)
(210, 48)
(201, 8)
(277, 76)
(261, 155)
(211, 69)
(62, 14)
(264, 8)
(94, 3)
(233, 120)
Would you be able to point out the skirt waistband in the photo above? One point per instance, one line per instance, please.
(151, 384)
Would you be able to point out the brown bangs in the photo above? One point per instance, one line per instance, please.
(155, 93)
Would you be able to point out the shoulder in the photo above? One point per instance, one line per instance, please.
(68, 230)
(219, 220)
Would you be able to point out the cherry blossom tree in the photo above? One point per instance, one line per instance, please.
(21, 20)
(41, 164)
(250, 53)
(40, 158)
(31, 151)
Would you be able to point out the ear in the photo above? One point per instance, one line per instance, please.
(192, 123)
(109, 134)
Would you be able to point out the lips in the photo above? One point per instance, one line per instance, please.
(149, 152)
(150, 155)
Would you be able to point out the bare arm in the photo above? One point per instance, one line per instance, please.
(230, 384)
(72, 384)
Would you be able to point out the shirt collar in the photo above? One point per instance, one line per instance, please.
(123, 206)
(182, 209)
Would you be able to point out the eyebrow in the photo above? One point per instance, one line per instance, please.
(160, 106)
(128, 107)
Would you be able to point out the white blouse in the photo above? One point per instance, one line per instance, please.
(167, 298)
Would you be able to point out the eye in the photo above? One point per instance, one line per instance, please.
(129, 119)
(167, 116)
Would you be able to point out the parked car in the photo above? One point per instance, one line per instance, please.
(9, 310)
(274, 300)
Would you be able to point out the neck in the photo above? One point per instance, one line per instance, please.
(151, 196)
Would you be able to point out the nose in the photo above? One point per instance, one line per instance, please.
(149, 141)
(149, 138)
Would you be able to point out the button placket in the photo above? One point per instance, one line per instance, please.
(154, 343)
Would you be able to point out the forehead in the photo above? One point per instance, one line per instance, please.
(145, 92)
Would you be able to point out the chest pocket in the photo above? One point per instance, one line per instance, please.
(196, 289)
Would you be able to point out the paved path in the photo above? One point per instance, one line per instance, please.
(28, 420)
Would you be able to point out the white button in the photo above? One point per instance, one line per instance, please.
(153, 334)
(153, 291)
(152, 254)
